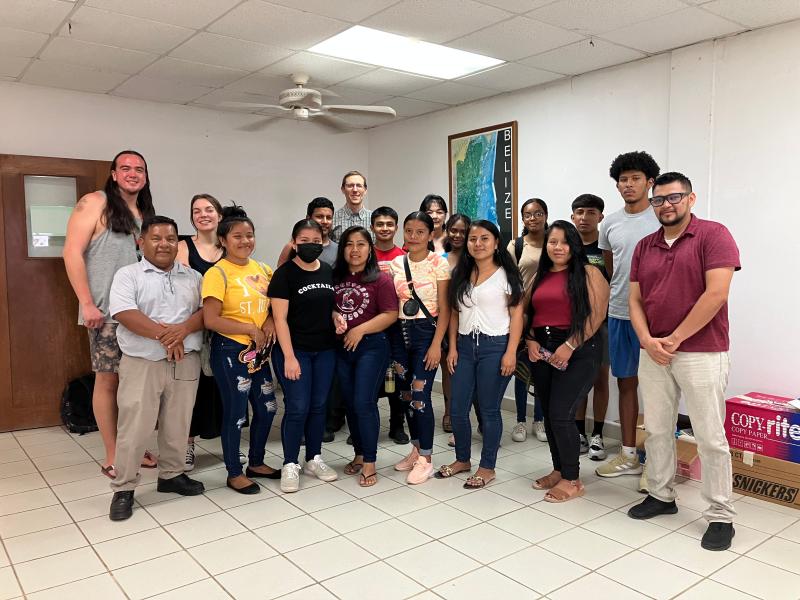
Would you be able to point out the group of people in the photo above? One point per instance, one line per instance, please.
(182, 333)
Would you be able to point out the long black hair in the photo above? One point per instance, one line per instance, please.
(300, 226)
(541, 203)
(462, 274)
(117, 215)
(425, 218)
(577, 289)
(341, 269)
(452, 220)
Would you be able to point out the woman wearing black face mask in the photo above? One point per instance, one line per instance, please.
(306, 322)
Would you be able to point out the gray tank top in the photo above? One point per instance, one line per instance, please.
(104, 256)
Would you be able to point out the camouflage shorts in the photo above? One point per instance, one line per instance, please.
(103, 348)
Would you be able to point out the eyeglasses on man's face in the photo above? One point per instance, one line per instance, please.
(356, 186)
(671, 198)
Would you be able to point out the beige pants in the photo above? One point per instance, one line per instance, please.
(702, 378)
(153, 392)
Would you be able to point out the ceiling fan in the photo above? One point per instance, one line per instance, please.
(305, 104)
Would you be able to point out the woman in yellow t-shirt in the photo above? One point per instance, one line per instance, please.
(236, 309)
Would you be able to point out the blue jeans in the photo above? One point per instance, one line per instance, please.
(304, 401)
(521, 397)
(478, 369)
(360, 374)
(237, 387)
(415, 382)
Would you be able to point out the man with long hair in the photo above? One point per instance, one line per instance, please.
(101, 238)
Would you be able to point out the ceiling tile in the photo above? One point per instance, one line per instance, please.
(323, 70)
(34, 15)
(755, 14)
(390, 82)
(218, 97)
(451, 92)
(259, 83)
(225, 51)
(436, 20)
(346, 10)
(185, 13)
(276, 25)
(674, 30)
(12, 66)
(515, 39)
(346, 95)
(409, 107)
(72, 77)
(147, 88)
(517, 6)
(582, 57)
(112, 29)
(509, 77)
(597, 16)
(96, 56)
(184, 71)
(15, 42)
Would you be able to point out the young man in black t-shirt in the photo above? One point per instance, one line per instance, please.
(587, 212)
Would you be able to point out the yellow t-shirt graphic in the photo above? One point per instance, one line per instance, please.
(242, 291)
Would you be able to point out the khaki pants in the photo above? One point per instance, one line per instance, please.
(702, 378)
(153, 392)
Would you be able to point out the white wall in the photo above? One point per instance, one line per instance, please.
(273, 173)
(724, 113)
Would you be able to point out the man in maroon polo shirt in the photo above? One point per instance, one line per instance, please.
(680, 278)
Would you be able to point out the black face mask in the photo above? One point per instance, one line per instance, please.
(308, 253)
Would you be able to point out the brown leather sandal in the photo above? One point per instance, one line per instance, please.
(547, 482)
(565, 490)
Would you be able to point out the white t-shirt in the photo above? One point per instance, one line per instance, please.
(484, 308)
(620, 232)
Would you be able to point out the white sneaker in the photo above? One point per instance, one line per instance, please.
(242, 458)
(643, 487)
(538, 431)
(519, 433)
(189, 457)
(290, 478)
(584, 444)
(597, 450)
(620, 465)
(319, 469)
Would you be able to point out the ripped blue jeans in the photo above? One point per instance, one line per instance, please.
(410, 342)
(237, 387)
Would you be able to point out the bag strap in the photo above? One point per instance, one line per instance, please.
(224, 276)
(422, 306)
(518, 245)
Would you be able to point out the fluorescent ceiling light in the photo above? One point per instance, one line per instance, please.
(375, 47)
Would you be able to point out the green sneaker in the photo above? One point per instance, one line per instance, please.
(621, 465)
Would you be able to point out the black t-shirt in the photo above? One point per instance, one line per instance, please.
(311, 304)
(595, 256)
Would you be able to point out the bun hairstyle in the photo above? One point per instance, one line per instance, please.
(230, 216)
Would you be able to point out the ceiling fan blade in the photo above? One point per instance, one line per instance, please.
(376, 111)
(259, 125)
(329, 122)
(254, 105)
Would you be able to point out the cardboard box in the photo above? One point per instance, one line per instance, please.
(764, 424)
(767, 478)
(687, 458)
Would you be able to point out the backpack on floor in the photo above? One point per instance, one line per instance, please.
(76, 405)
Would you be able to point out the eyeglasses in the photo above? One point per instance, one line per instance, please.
(671, 198)
(357, 186)
(534, 215)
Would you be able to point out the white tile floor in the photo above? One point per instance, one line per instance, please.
(390, 541)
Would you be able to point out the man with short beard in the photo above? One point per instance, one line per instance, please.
(680, 280)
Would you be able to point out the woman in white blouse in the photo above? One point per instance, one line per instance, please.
(485, 329)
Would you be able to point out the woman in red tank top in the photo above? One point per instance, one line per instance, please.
(569, 301)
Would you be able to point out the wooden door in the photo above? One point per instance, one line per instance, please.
(41, 345)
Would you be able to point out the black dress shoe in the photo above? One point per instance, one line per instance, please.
(652, 507)
(718, 536)
(256, 475)
(398, 435)
(181, 485)
(121, 506)
(247, 490)
(328, 436)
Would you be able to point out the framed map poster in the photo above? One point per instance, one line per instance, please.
(482, 166)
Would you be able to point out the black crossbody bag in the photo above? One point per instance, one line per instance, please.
(415, 304)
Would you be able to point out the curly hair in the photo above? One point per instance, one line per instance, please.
(634, 161)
